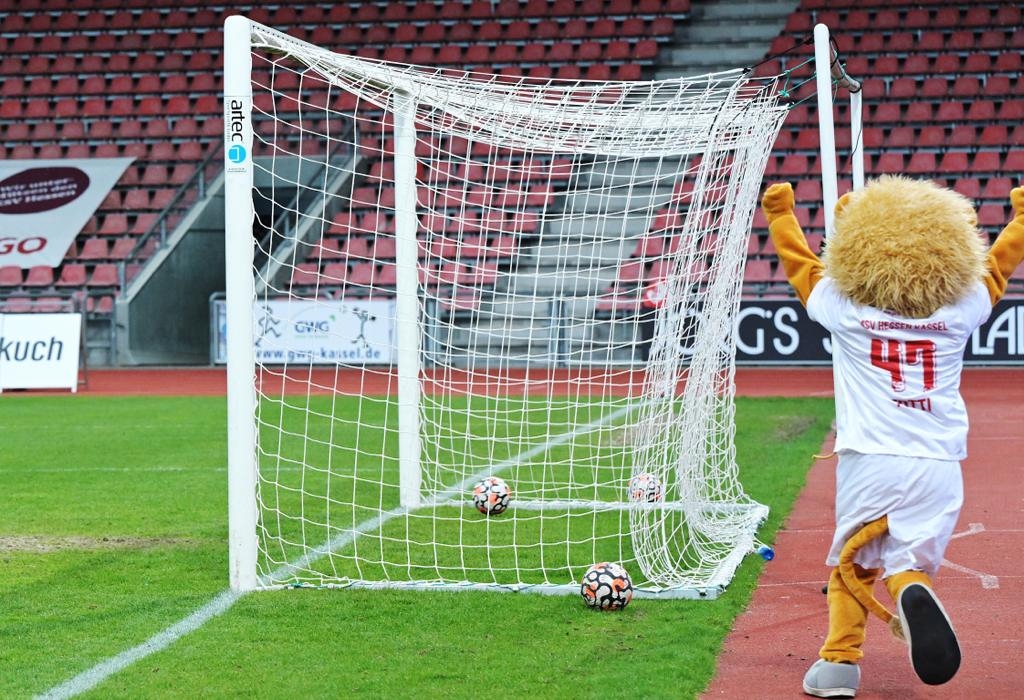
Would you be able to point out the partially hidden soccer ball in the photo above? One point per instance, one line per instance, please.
(491, 495)
(646, 488)
(606, 586)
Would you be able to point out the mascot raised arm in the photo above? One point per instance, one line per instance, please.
(903, 281)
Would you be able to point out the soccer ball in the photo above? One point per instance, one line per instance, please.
(645, 488)
(606, 586)
(491, 496)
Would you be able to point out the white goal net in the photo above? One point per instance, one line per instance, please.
(438, 276)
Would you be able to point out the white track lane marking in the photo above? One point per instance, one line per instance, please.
(987, 580)
(89, 679)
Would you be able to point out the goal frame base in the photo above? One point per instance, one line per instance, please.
(551, 589)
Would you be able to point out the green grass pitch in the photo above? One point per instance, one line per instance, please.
(114, 528)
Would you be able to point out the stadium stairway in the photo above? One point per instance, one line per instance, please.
(618, 251)
(724, 34)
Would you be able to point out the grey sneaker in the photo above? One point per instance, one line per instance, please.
(826, 679)
(934, 650)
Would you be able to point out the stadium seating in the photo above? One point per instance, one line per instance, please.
(133, 78)
(942, 86)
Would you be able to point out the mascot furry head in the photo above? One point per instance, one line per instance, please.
(905, 246)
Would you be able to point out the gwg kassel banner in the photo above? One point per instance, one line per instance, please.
(45, 203)
(358, 332)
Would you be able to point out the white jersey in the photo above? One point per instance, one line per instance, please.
(897, 380)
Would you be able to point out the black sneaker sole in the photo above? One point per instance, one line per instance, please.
(934, 650)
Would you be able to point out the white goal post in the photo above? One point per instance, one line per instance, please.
(436, 276)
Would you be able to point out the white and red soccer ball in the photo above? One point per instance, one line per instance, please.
(646, 488)
(491, 495)
(606, 586)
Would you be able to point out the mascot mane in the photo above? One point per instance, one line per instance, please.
(905, 246)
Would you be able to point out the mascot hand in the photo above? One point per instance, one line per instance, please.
(778, 200)
(843, 201)
(1017, 200)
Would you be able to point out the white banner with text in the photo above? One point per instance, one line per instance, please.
(45, 203)
(39, 351)
(350, 332)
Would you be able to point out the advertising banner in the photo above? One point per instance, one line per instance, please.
(779, 332)
(45, 203)
(349, 332)
(767, 332)
(39, 351)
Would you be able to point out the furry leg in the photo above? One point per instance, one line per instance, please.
(847, 617)
(900, 580)
(896, 583)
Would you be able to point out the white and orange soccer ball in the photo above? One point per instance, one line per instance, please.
(491, 495)
(606, 586)
(646, 488)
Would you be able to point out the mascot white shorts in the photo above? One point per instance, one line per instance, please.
(922, 498)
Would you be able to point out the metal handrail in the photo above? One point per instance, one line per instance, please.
(197, 182)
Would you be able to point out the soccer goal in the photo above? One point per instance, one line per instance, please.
(436, 277)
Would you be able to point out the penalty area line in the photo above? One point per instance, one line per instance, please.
(89, 679)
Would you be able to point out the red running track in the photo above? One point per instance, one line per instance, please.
(778, 636)
(162, 381)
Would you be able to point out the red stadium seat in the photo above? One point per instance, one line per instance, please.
(886, 113)
(363, 275)
(104, 275)
(992, 216)
(995, 135)
(795, 164)
(932, 137)
(986, 162)
(335, 273)
(143, 223)
(953, 162)
(39, 276)
(305, 274)
(998, 188)
(948, 112)
(122, 247)
(71, 275)
(757, 271)
(114, 225)
(969, 187)
(94, 249)
(383, 248)
(981, 111)
(889, 163)
(963, 135)
(903, 88)
(136, 199)
(1010, 111)
(902, 137)
(17, 305)
(918, 112)
(100, 304)
(922, 163)
(994, 40)
(10, 276)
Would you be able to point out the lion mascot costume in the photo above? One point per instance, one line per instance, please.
(904, 280)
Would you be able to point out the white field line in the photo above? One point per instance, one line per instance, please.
(89, 679)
